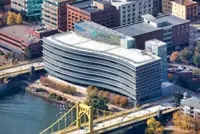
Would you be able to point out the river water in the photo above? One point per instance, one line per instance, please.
(23, 113)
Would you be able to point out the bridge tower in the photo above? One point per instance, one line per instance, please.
(88, 111)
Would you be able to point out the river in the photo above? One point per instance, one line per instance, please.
(23, 113)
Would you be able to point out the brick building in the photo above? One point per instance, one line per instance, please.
(101, 12)
(20, 38)
(54, 14)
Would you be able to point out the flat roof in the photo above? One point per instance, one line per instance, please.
(136, 29)
(144, 27)
(118, 3)
(185, 2)
(86, 6)
(193, 102)
(156, 42)
(133, 56)
(20, 32)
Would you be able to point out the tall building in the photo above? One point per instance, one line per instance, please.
(158, 48)
(31, 10)
(185, 9)
(131, 11)
(91, 56)
(170, 29)
(101, 12)
(54, 13)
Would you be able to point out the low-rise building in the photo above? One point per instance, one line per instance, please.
(22, 39)
(185, 9)
(31, 10)
(54, 13)
(170, 29)
(191, 106)
(101, 12)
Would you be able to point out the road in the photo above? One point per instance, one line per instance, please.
(20, 69)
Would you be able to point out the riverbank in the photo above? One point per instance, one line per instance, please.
(56, 96)
(44, 94)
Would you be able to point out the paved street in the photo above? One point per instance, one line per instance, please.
(18, 69)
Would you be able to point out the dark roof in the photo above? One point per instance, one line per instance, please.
(144, 27)
(86, 6)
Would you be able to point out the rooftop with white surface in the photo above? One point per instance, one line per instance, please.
(133, 56)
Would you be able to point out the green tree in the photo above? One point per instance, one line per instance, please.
(154, 126)
(177, 98)
(19, 19)
(96, 102)
(196, 60)
(185, 55)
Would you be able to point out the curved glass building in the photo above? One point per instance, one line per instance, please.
(83, 61)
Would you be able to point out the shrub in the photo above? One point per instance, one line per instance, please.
(123, 101)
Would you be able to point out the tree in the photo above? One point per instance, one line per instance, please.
(19, 19)
(174, 56)
(123, 101)
(196, 60)
(185, 55)
(90, 90)
(116, 99)
(100, 94)
(96, 102)
(11, 18)
(184, 122)
(154, 126)
(178, 97)
(95, 91)
(106, 95)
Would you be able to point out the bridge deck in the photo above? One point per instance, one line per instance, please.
(20, 69)
(124, 120)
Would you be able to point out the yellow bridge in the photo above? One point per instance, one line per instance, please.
(83, 119)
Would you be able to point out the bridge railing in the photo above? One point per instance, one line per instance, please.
(131, 120)
(62, 122)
